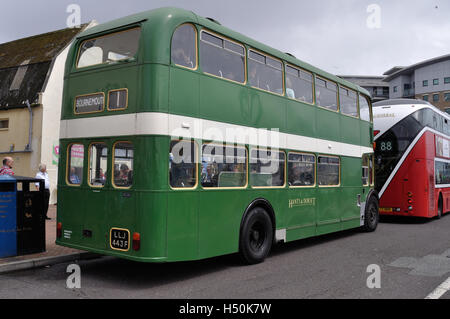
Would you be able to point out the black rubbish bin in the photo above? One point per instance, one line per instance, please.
(30, 215)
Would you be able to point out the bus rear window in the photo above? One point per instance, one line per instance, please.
(120, 46)
(76, 164)
(123, 165)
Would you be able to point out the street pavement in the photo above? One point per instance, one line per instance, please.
(412, 254)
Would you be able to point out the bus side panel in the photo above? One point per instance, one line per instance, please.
(153, 225)
(328, 210)
(366, 134)
(70, 214)
(350, 130)
(220, 221)
(268, 111)
(182, 225)
(301, 118)
(351, 187)
(223, 101)
(328, 125)
(300, 213)
(154, 88)
(184, 92)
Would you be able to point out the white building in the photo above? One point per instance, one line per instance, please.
(31, 87)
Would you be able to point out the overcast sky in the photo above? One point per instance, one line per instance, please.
(331, 34)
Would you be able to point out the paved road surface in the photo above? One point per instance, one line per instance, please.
(414, 257)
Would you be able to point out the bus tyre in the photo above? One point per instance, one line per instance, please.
(371, 215)
(256, 236)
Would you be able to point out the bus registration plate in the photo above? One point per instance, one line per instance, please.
(120, 239)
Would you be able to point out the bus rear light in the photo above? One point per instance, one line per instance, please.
(410, 194)
(410, 208)
(410, 201)
(374, 146)
(397, 209)
(136, 241)
(59, 230)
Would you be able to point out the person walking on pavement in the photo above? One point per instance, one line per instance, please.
(7, 168)
(42, 174)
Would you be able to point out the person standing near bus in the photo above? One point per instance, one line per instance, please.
(7, 168)
(42, 174)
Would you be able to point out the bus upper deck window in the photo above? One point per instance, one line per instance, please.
(326, 94)
(119, 46)
(184, 48)
(364, 108)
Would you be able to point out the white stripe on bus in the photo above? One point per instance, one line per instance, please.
(164, 124)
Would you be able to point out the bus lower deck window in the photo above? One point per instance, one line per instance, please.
(183, 164)
(223, 167)
(267, 168)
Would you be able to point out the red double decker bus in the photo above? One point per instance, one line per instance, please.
(412, 158)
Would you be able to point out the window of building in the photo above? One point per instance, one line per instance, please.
(447, 80)
(425, 83)
(184, 46)
(328, 171)
(299, 84)
(4, 124)
(123, 164)
(117, 100)
(265, 73)
(76, 164)
(435, 97)
(98, 164)
(301, 170)
(348, 102)
(267, 168)
(222, 58)
(425, 97)
(435, 81)
(183, 164)
(223, 166)
(447, 97)
(395, 89)
(364, 108)
(112, 48)
(326, 94)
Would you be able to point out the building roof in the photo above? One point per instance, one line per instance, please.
(26, 63)
(365, 80)
(392, 73)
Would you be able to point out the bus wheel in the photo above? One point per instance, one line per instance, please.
(440, 207)
(256, 236)
(371, 216)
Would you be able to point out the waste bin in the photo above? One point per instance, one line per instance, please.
(8, 218)
(24, 222)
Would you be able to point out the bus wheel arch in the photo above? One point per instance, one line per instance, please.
(257, 232)
(440, 206)
(371, 214)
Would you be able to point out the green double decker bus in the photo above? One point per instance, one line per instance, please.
(184, 140)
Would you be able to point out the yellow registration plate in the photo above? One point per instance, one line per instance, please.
(386, 209)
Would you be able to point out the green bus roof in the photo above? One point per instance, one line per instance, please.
(172, 17)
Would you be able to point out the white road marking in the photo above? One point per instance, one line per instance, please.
(440, 291)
